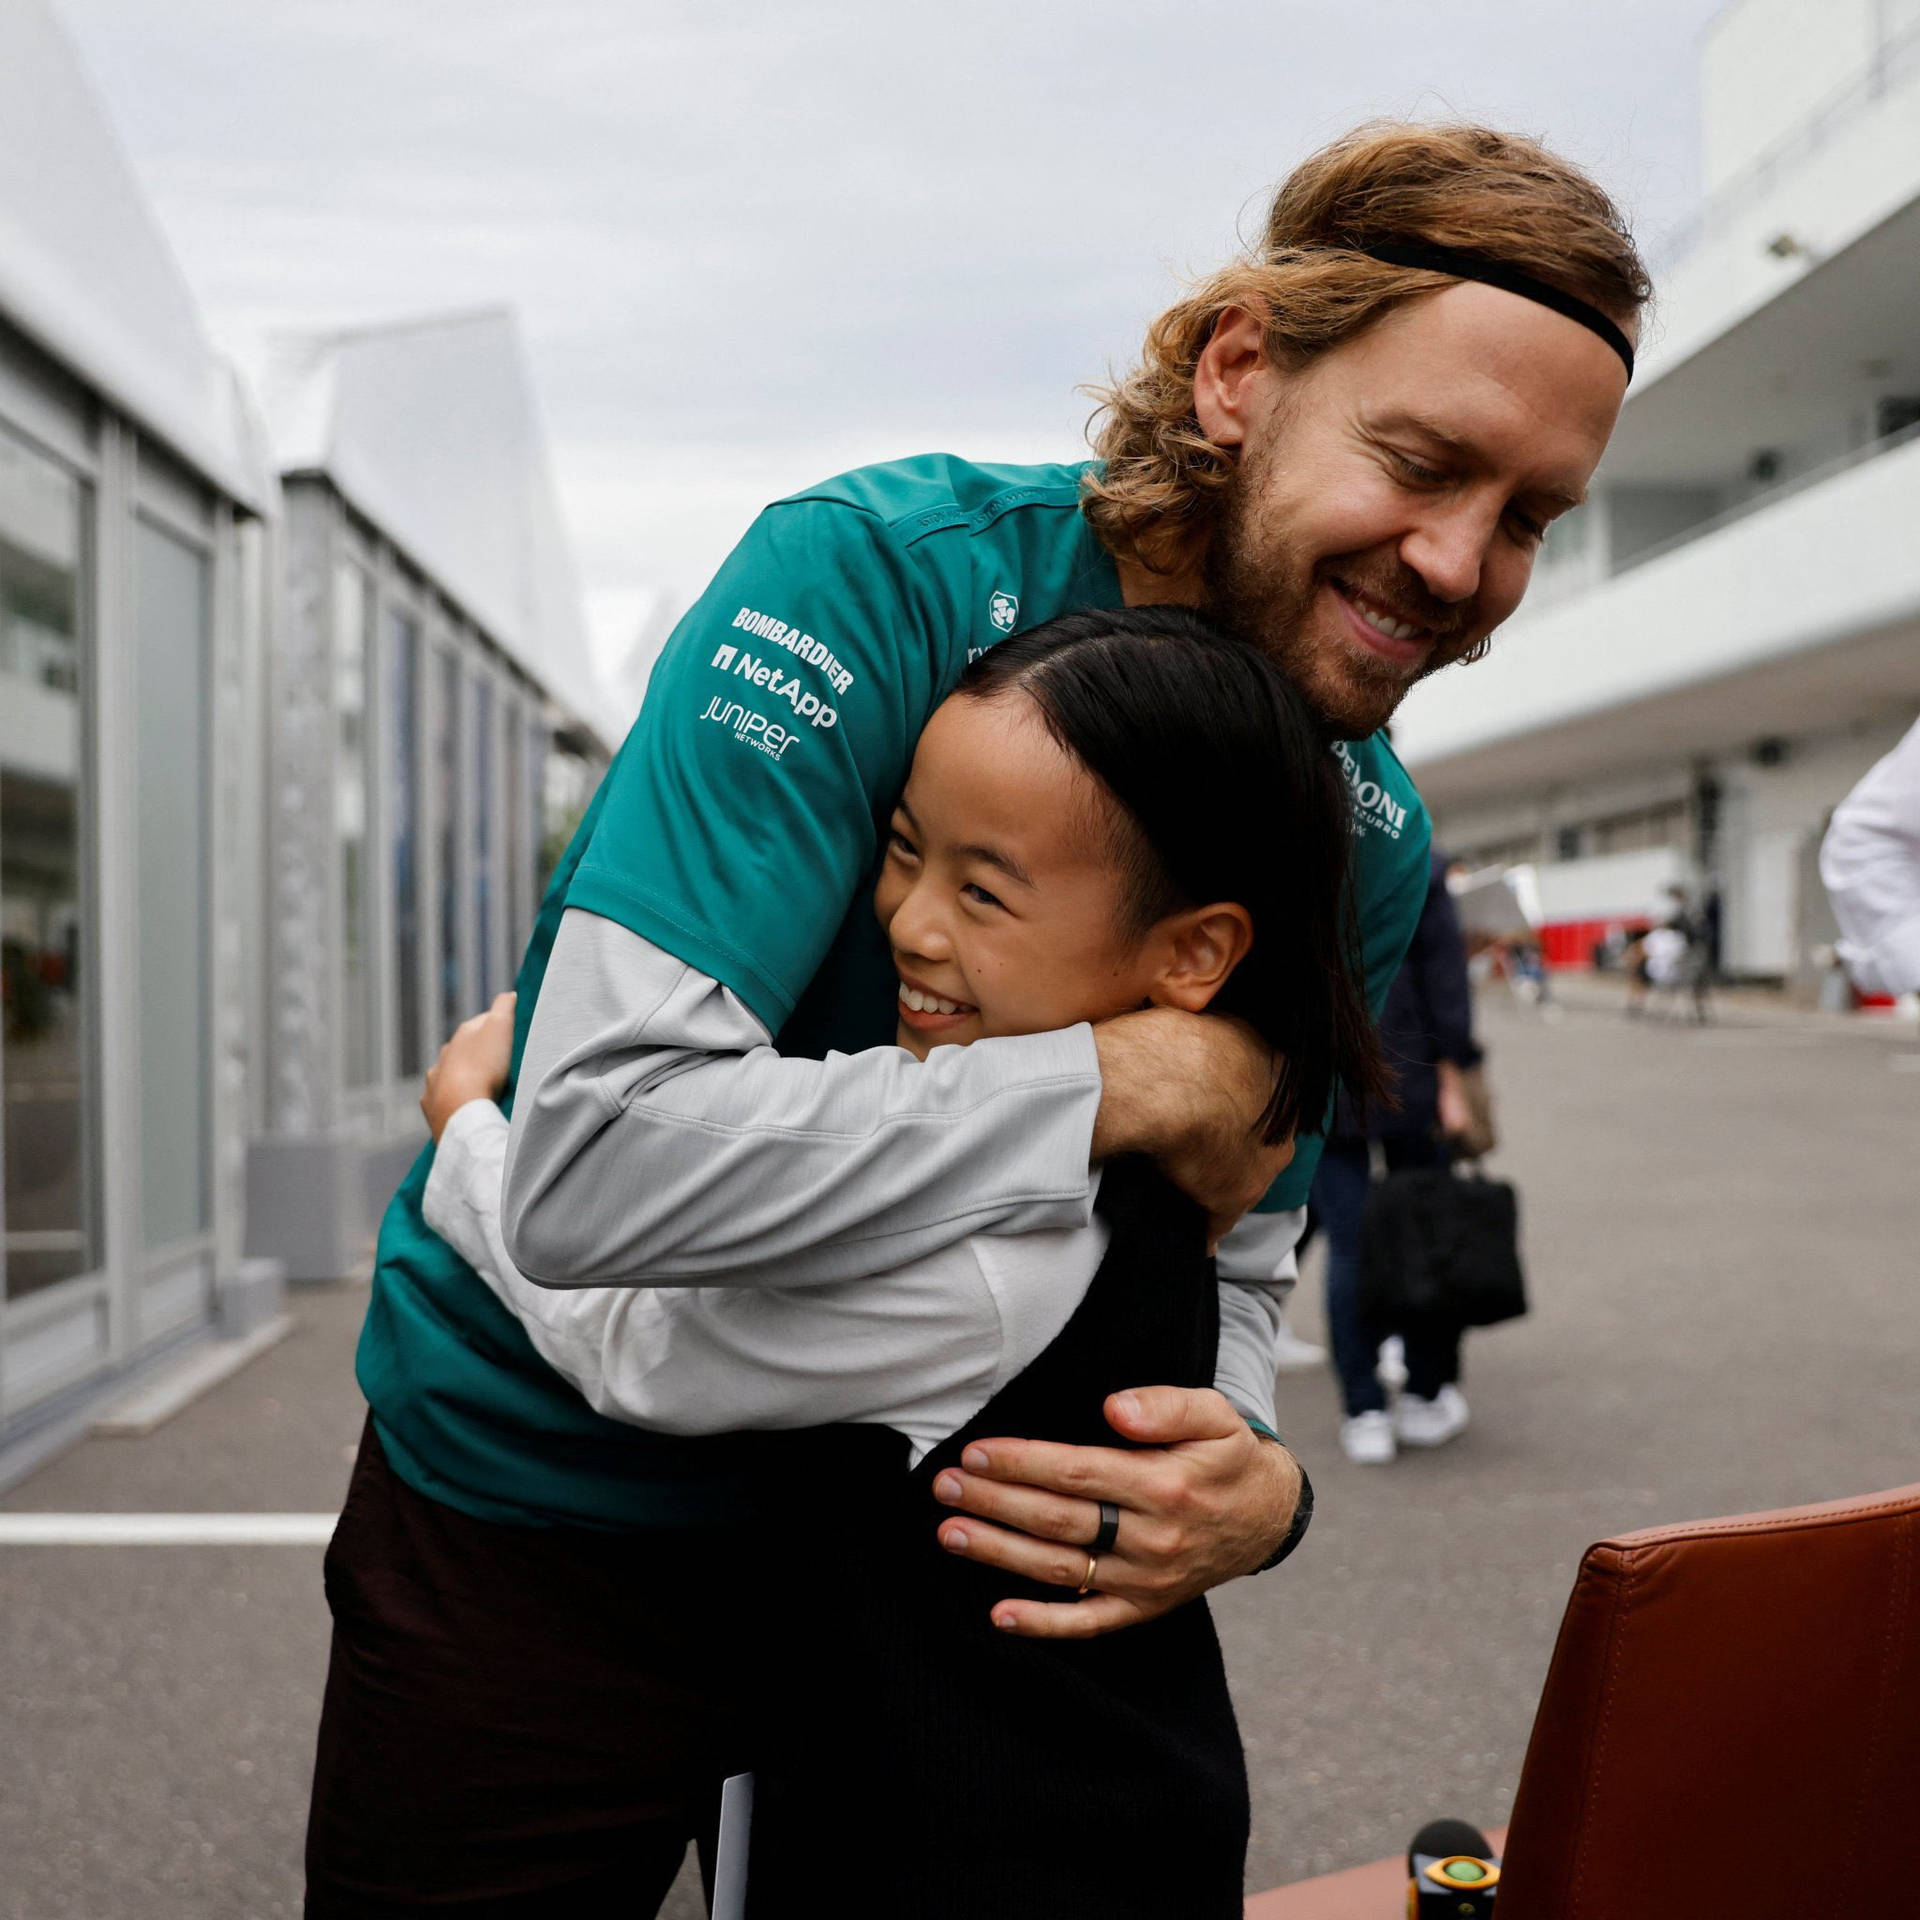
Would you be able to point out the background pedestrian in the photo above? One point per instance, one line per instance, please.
(1427, 1035)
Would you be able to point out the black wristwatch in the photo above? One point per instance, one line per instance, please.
(1302, 1511)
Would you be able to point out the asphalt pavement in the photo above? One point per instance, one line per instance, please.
(1723, 1244)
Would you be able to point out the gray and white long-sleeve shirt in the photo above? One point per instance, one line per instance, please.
(921, 1348)
(659, 1141)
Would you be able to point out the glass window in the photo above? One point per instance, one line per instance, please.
(483, 838)
(566, 788)
(403, 636)
(545, 856)
(50, 1202)
(352, 793)
(446, 768)
(514, 812)
(170, 683)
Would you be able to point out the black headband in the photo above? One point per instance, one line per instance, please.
(1470, 266)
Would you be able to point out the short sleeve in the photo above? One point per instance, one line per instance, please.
(741, 817)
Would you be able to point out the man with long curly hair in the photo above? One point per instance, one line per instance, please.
(1347, 445)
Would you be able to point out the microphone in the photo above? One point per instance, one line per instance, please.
(1451, 1872)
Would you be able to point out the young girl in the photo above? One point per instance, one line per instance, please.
(1118, 809)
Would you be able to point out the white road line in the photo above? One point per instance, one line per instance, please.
(166, 1529)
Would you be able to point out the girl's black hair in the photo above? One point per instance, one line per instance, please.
(1235, 794)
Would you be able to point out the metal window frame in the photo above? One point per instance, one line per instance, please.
(489, 942)
(401, 600)
(160, 1305)
(359, 1101)
(448, 836)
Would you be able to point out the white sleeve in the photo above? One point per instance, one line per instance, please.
(1258, 1267)
(572, 1332)
(1870, 863)
(659, 1140)
(921, 1350)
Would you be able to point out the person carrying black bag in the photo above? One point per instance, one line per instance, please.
(1427, 1036)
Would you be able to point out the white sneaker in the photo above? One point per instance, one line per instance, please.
(1367, 1438)
(1291, 1354)
(1391, 1369)
(1430, 1423)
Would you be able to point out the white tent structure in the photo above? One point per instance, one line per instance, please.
(431, 667)
(275, 760)
(133, 491)
(86, 273)
(428, 430)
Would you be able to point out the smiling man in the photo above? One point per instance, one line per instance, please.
(1347, 445)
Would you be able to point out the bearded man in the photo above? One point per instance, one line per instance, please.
(1347, 446)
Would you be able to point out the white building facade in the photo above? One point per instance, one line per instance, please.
(1728, 634)
(271, 765)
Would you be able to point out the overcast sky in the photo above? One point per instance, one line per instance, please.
(751, 245)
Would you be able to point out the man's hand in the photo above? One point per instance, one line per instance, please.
(1189, 1089)
(473, 1065)
(1453, 1110)
(1205, 1502)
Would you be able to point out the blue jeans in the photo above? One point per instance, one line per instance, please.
(1339, 1199)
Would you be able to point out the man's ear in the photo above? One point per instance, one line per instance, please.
(1224, 377)
(1201, 948)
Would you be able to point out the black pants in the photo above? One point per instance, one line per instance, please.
(518, 1721)
(1340, 1188)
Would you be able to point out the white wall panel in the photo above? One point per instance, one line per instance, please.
(1609, 886)
(1767, 902)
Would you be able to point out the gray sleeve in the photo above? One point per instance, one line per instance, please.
(1258, 1265)
(658, 1139)
(920, 1349)
(1244, 1369)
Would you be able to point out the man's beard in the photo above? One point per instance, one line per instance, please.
(1260, 586)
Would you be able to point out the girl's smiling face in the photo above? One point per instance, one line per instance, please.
(1003, 898)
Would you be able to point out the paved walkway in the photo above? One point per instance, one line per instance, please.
(1721, 1229)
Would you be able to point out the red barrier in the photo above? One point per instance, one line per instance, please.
(1570, 943)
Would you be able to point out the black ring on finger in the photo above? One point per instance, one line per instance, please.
(1102, 1542)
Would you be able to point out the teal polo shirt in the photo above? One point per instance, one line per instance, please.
(738, 829)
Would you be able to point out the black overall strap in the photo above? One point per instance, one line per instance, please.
(1151, 1317)
(917, 1760)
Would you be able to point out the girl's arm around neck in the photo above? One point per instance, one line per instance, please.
(658, 1139)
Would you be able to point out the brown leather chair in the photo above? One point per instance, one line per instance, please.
(1730, 1727)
